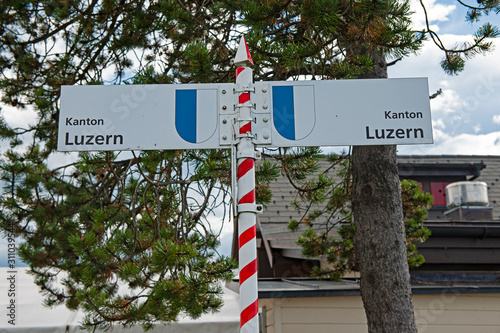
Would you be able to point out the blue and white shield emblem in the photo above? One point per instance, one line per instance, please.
(196, 114)
(294, 113)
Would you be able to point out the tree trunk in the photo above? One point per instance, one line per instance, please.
(380, 242)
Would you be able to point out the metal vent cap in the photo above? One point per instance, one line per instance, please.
(467, 194)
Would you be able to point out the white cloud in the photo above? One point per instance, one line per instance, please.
(468, 144)
(448, 102)
(439, 135)
(226, 241)
(436, 12)
(444, 83)
(468, 105)
(17, 118)
(462, 144)
(439, 123)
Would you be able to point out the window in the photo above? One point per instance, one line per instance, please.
(439, 193)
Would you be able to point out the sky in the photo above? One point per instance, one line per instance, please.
(465, 117)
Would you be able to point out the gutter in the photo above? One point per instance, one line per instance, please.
(470, 231)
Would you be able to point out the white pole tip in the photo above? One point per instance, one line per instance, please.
(243, 57)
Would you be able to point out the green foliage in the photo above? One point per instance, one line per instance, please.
(265, 173)
(292, 38)
(110, 223)
(415, 206)
(327, 229)
(474, 13)
(101, 222)
(453, 61)
(141, 220)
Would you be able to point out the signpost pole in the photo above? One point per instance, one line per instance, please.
(246, 207)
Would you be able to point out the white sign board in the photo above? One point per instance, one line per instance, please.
(351, 112)
(142, 117)
(301, 113)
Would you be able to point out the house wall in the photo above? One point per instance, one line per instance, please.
(442, 313)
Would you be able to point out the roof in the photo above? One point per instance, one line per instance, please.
(277, 214)
(421, 284)
(454, 244)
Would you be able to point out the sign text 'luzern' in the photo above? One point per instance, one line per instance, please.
(396, 133)
(89, 139)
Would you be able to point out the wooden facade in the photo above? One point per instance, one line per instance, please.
(435, 313)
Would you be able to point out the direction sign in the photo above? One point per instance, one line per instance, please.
(350, 112)
(285, 114)
(143, 117)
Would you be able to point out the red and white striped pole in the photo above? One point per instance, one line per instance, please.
(247, 209)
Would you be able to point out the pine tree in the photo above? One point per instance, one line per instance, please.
(100, 221)
(129, 237)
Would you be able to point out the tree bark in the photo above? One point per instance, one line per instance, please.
(380, 242)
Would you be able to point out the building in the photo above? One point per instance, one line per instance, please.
(457, 289)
